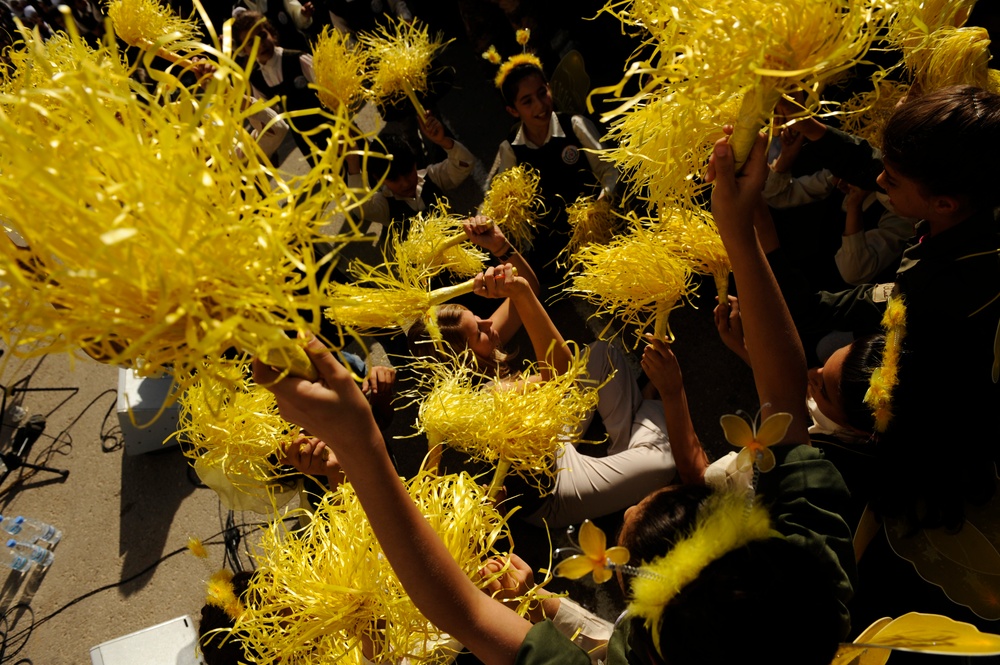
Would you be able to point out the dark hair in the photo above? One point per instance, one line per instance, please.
(403, 159)
(448, 318)
(767, 582)
(219, 644)
(947, 141)
(246, 25)
(517, 74)
(863, 358)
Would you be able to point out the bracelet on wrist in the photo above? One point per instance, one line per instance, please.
(506, 254)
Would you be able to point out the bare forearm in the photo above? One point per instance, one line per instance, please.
(546, 340)
(435, 583)
(684, 444)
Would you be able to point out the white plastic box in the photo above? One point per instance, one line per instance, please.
(171, 643)
(145, 396)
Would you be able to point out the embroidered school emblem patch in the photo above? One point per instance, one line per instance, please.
(570, 155)
(301, 82)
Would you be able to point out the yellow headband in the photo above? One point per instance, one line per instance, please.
(724, 524)
(220, 593)
(523, 58)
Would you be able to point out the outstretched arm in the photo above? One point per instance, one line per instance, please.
(550, 348)
(775, 351)
(660, 365)
(334, 410)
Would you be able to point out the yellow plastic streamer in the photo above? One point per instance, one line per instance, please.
(519, 423)
(434, 243)
(322, 589)
(636, 278)
(339, 69)
(147, 222)
(514, 203)
(693, 236)
(399, 57)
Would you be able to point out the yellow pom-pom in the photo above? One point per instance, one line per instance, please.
(514, 202)
(339, 68)
(238, 432)
(636, 279)
(165, 240)
(524, 424)
(400, 56)
(435, 241)
(693, 236)
(523, 36)
(143, 22)
(324, 589)
(591, 221)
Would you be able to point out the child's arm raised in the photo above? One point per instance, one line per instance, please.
(334, 410)
(776, 355)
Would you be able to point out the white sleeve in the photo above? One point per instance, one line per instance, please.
(604, 171)
(268, 140)
(862, 256)
(306, 61)
(453, 171)
(505, 159)
(376, 208)
(294, 9)
(781, 190)
(588, 631)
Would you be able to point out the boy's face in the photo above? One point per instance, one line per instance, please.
(404, 186)
(533, 104)
(267, 43)
(907, 195)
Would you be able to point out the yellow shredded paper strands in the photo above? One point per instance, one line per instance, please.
(435, 242)
(521, 424)
(514, 203)
(592, 222)
(399, 58)
(339, 68)
(147, 223)
(144, 22)
(693, 236)
(637, 278)
(236, 432)
(322, 589)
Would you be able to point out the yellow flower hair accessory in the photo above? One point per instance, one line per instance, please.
(922, 633)
(597, 558)
(492, 56)
(724, 524)
(523, 58)
(884, 379)
(220, 593)
(754, 441)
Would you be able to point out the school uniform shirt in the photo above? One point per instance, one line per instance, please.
(584, 132)
(432, 183)
(863, 257)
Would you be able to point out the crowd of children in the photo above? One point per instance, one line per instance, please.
(901, 365)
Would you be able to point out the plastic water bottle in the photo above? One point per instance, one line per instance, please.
(36, 554)
(30, 530)
(16, 560)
